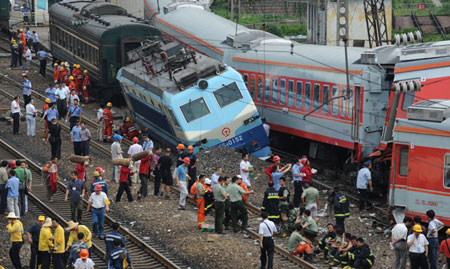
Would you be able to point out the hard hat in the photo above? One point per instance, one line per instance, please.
(67, 64)
(47, 223)
(21, 30)
(109, 104)
(96, 174)
(55, 64)
(128, 119)
(303, 161)
(47, 100)
(62, 63)
(97, 187)
(78, 66)
(75, 65)
(448, 231)
(187, 160)
(190, 147)
(11, 215)
(13, 164)
(71, 77)
(61, 68)
(180, 146)
(208, 181)
(85, 71)
(84, 253)
(417, 228)
(41, 218)
(117, 137)
(276, 158)
(135, 139)
(99, 169)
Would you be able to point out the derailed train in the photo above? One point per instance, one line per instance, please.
(191, 99)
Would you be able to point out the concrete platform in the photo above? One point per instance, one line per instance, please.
(16, 22)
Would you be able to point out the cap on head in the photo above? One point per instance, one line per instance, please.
(84, 253)
(71, 225)
(109, 104)
(13, 164)
(190, 147)
(47, 223)
(417, 228)
(75, 65)
(97, 187)
(135, 139)
(117, 137)
(180, 146)
(41, 218)
(61, 68)
(96, 174)
(276, 158)
(11, 215)
(186, 160)
(367, 162)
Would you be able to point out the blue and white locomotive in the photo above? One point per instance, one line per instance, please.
(183, 97)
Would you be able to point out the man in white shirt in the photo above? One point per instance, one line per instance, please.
(266, 230)
(99, 203)
(245, 170)
(116, 152)
(434, 226)
(135, 148)
(215, 176)
(266, 127)
(72, 97)
(399, 234)
(28, 58)
(418, 248)
(15, 113)
(31, 118)
(100, 123)
(62, 94)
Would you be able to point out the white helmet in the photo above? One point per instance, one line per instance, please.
(208, 181)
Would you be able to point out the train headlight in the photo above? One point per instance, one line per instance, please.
(249, 120)
(201, 142)
(203, 84)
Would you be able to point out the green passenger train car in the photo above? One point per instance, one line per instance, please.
(5, 7)
(97, 35)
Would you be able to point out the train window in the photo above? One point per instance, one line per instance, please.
(174, 120)
(194, 109)
(228, 94)
(307, 96)
(260, 88)
(447, 171)
(245, 77)
(316, 95)
(408, 100)
(335, 102)
(274, 90)
(282, 91)
(267, 90)
(291, 93)
(325, 98)
(252, 86)
(403, 163)
(344, 103)
(299, 94)
(350, 104)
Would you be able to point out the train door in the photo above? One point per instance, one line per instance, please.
(355, 96)
(399, 176)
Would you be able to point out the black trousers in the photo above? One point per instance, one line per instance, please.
(22, 199)
(62, 107)
(42, 67)
(340, 223)
(73, 121)
(13, 59)
(33, 257)
(123, 186)
(44, 259)
(267, 253)
(56, 148)
(418, 260)
(77, 148)
(14, 252)
(193, 175)
(26, 100)
(238, 211)
(363, 195)
(144, 182)
(218, 218)
(16, 118)
(298, 191)
(157, 180)
(228, 217)
(58, 260)
(20, 57)
(76, 210)
(3, 196)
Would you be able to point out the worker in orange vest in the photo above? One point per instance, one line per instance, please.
(62, 74)
(244, 196)
(86, 84)
(201, 201)
(44, 108)
(108, 119)
(129, 129)
(74, 70)
(56, 72)
(24, 40)
(72, 84)
(78, 75)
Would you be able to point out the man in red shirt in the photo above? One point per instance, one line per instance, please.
(445, 249)
(85, 85)
(108, 119)
(144, 174)
(124, 180)
(275, 167)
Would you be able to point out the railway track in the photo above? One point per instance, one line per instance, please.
(142, 253)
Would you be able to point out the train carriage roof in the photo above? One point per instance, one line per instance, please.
(108, 16)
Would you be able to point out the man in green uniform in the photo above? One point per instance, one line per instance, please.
(310, 226)
(310, 199)
(220, 195)
(238, 210)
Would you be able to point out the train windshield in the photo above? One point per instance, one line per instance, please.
(195, 109)
(228, 94)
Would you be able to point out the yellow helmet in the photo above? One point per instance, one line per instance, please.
(55, 64)
(78, 66)
(96, 174)
(128, 119)
(75, 65)
(71, 77)
(109, 104)
(62, 63)
(47, 100)
(85, 71)
(61, 68)
(21, 30)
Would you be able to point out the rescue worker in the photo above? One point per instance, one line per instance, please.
(76, 248)
(243, 186)
(444, 249)
(306, 171)
(45, 244)
(67, 68)
(119, 258)
(238, 209)
(144, 176)
(51, 177)
(341, 208)
(209, 196)
(15, 228)
(284, 196)
(56, 73)
(200, 202)
(192, 168)
(84, 261)
(113, 235)
(363, 255)
(58, 248)
(181, 177)
(62, 75)
(310, 226)
(324, 243)
(86, 85)
(33, 238)
(270, 204)
(134, 149)
(99, 181)
(72, 84)
(180, 156)
(100, 123)
(310, 198)
(220, 195)
(418, 248)
(108, 120)
(273, 167)
(129, 129)
(75, 228)
(78, 75)
(298, 245)
(116, 152)
(124, 184)
(99, 203)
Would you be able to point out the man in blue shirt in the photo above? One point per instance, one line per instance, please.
(114, 235)
(42, 55)
(148, 143)
(363, 181)
(35, 41)
(99, 181)
(26, 90)
(180, 176)
(33, 238)
(51, 93)
(76, 139)
(51, 113)
(75, 190)
(298, 181)
(74, 113)
(12, 185)
(117, 256)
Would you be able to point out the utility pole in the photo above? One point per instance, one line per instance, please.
(376, 22)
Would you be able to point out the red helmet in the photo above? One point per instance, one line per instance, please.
(187, 160)
(98, 187)
(276, 158)
(135, 139)
(13, 164)
(303, 161)
(99, 169)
